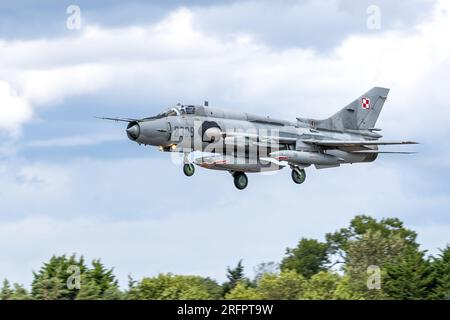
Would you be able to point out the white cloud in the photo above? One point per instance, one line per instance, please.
(49, 86)
(171, 60)
(14, 110)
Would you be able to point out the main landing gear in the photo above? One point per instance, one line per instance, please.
(298, 175)
(240, 180)
(188, 167)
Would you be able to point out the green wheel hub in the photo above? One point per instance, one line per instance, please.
(188, 169)
(298, 175)
(240, 180)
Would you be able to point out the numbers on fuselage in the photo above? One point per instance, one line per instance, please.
(179, 132)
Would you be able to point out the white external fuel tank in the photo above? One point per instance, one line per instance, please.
(303, 157)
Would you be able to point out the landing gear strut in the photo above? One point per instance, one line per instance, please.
(298, 175)
(240, 180)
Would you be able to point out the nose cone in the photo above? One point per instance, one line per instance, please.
(154, 132)
(133, 131)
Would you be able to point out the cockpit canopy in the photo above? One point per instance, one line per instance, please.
(169, 113)
(175, 111)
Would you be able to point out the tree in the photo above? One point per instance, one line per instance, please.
(372, 249)
(408, 279)
(308, 258)
(440, 267)
(321, 286)
(48, 288)
(367, 243)
(50, 282)
(99, 282)
(243, 292)
(133, 290)
(234, 276)
(20, 293)
(89, 290)
(53, 281)
(339, 242)
(6, 292)
(288, 285)
(176, 287)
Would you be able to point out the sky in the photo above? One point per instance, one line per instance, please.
(75, 184)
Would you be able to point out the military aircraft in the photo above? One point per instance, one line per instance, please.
(241, 143)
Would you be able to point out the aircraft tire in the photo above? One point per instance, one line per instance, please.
(188, 169)
(298, 175)
(240, 180)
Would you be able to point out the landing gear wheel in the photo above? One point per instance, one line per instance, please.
(240, 180)
(298, 175)
(188, 169)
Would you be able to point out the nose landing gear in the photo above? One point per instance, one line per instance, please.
(298, 175)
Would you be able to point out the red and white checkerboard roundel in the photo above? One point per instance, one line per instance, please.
(365, 103)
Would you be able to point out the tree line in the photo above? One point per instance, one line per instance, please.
(369, 259)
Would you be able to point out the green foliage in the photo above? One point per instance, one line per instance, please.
(344, 290)
(235, 276)
(18, 292)
(410, 278)
(372, 249)
(50, 288)
(99, 282)
(53, 279)
(50, 282)
(321, 286)
(368, 242)
(133, 290)
(243, 291)
(440, 268)
(340, 241)
(6, 292)
(288, 285)
(308, 258)
(89, 290)
(176, 287)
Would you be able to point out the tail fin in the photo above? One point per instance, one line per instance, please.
(360, 114)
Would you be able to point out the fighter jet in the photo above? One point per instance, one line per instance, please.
(241, 143)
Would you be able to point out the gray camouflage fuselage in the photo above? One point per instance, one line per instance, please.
(241, 142)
